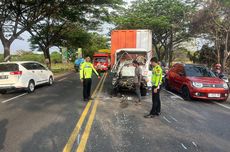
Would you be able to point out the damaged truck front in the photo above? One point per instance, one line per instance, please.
(124, 71)
(127, 46)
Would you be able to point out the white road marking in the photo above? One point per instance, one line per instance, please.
(173, 94)
(62, 79)
(78, 138)
(194, 144)
(174, 97)
(14, 97)
(166, 119)
(184, 146)
(222, 105)
(173, 118)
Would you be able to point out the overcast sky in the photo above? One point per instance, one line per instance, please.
(24, 44)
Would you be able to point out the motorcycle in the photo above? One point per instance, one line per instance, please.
(225, 78)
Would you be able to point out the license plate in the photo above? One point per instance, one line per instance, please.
(3, 76)
(214, 95)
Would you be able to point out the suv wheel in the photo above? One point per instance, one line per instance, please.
(31, 86)
(51, 80)
(186, 93)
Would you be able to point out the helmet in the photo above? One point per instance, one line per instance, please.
(218, 65)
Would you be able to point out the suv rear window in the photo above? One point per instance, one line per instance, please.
(198, 71)
(8, 67)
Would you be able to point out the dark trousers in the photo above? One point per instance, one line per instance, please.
(87, 88)
(156, 103)
(138, 92)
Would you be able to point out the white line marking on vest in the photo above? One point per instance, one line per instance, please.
(222, 105)
(14, 98)
(184, 146)
(166, 119)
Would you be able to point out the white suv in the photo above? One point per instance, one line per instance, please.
(23, 75)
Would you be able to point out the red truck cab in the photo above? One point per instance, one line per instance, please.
(101, 61)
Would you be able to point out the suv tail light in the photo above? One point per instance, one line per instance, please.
(16, 73)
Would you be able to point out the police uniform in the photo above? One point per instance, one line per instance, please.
(86, 75)
(156, 82)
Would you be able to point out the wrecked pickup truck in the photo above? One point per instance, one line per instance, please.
(123, 70)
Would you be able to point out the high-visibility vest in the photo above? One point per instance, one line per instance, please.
(86, 70)
(156, 76)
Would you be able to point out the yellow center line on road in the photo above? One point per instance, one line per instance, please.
(86, 133)
(77, 128)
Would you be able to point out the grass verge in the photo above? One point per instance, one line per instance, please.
(60, 68)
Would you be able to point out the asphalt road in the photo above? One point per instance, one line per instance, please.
(55, 119)
(41, 121)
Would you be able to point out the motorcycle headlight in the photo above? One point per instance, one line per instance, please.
(197, 84)
(225, 85)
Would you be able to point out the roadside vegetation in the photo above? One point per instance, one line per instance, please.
(175, 22)
(73, 24)
(57, 66)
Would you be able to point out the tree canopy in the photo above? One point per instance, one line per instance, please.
(168, 19)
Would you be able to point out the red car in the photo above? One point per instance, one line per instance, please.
(196, 81)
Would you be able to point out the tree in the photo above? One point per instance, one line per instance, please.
(16, 16)
(168, 19)
(213, 22)
(98, 42)
(69, 13)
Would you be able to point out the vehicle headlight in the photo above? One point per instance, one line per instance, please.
(197, 84)
(225, 85)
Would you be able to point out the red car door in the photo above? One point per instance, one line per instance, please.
(179, 78)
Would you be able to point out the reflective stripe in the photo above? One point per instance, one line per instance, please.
(156, 76)
(87, 70)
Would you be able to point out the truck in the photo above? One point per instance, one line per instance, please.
(127, 46)
(101, 60)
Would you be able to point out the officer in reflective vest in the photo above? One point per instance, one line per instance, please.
(156, 82)
(86, 71)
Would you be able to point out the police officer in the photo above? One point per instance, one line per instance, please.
(86, 71)
(156, 82)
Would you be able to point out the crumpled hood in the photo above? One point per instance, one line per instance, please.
(128, 71)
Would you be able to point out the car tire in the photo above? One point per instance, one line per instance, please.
(31, 86)
(51, 81)
(186, 93)
(3, 92)
(166, 85)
